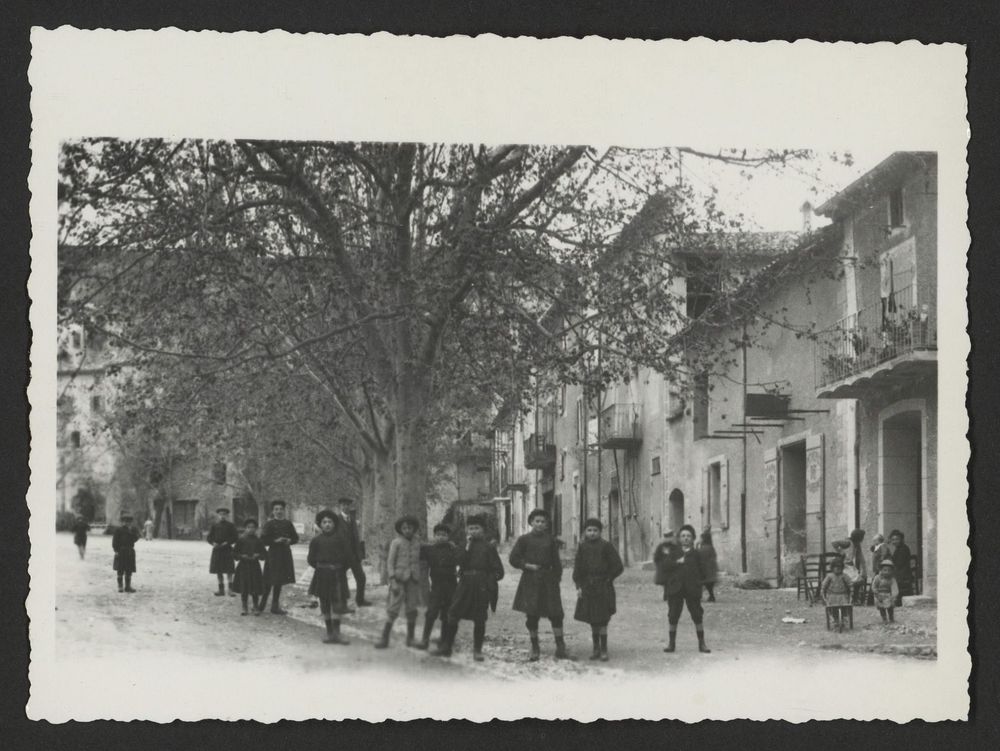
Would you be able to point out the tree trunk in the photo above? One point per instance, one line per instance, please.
(383, 511)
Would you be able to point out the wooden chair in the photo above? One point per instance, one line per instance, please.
(841, 610)
(814, 567)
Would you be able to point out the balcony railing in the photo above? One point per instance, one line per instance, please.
(873, 336)
(620, 426)
(515, 478)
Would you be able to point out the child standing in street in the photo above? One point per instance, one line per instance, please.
(80, 530)
(278, 535)
(479, 571)
(678, 568)
(709, 564)
(537, 555)
(403, 565)
(836, 592)
(329, 555)
(442, 559)
(885, 591)
(222, 536)
(249, 552)
(596, 567)
(123, 543)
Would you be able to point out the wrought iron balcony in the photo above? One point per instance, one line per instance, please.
(894, 338)
(620, 426)
(540, 451)
(515, 478)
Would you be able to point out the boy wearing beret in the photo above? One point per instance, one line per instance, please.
(403, 565)
(479, 571)
(278, 535)
(222, 536)
(123, 543)
(441, 558)
(537, 555)
(329, 555)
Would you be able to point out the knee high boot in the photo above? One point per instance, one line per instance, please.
(121, 587)
(222, 588)
(536, 648)
(333, 635)
(561, 653)
(276, 601)
(128, 583)
(604, 643)
(425, 640)
(383, 641)
(478, 636)
(595, 635)
(673, 639)
(411, 628)
(448, 631)
(229, 585)
(702, 647)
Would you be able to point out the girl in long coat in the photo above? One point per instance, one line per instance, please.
(249, 551)
(123, 543)
(595, 569)
(709, 564)
(479, 570)
(329, 555)
(537, 555)
(80, 530)
(679, 570)
(278, 535)
(222, 536)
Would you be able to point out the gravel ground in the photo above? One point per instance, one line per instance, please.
(174, 610)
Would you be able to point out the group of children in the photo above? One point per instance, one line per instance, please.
(837, 592)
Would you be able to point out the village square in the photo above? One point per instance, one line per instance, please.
(515, 411)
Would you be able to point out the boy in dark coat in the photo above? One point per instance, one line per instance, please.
(222, 536)
(329, 555)
(249, 551)
(278, 535)
(123, 543)
(596, 567)
(80, 530)
(403, 565)
(441, 558)
(479, 571)
(679, 571)
(347, 528)
(537, 555)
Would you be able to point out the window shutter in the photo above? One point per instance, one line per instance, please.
(724, 493)
(706, 498)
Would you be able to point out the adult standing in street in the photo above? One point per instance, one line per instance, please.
(709, 564)
(80, 530)
(899, 554)
(537, 555)
(348, 530)
(678, 568)
(278, 535)
(222, 536)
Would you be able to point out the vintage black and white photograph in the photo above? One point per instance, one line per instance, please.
(494, 418)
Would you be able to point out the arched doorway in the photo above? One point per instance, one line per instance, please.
(675, 510)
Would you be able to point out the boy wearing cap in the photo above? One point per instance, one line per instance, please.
(329, 555)
(537, 555)
(222, 536)
(441, 558)
(278, 535)
(123, 543)
(479, 571)
(885, 590)
(596, 567)
(403, 565)
(249, 552)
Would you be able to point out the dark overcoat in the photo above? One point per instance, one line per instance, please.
(679, 572)
(249, 551)
(901, 563)
(709, 563)
(480, 569)
(223, 532)
(442, 559)
(123, 543)
(279, 568)
(80, 530)
(538, 591)
(329, 555)
(596, 567)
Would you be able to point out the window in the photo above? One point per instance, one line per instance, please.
(562, 466)
(715, 501)
(715, 493)
(74, 439)
(77, 338)
(896, 214)
(562, 400)
(96, 403)
(655, 469)
(581, 423)
(699, 409)
(219, 473)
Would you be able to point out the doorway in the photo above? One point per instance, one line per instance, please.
(675, 510)
(792, 467)
(901, 480)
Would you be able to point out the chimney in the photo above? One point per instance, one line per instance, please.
(807, 214)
